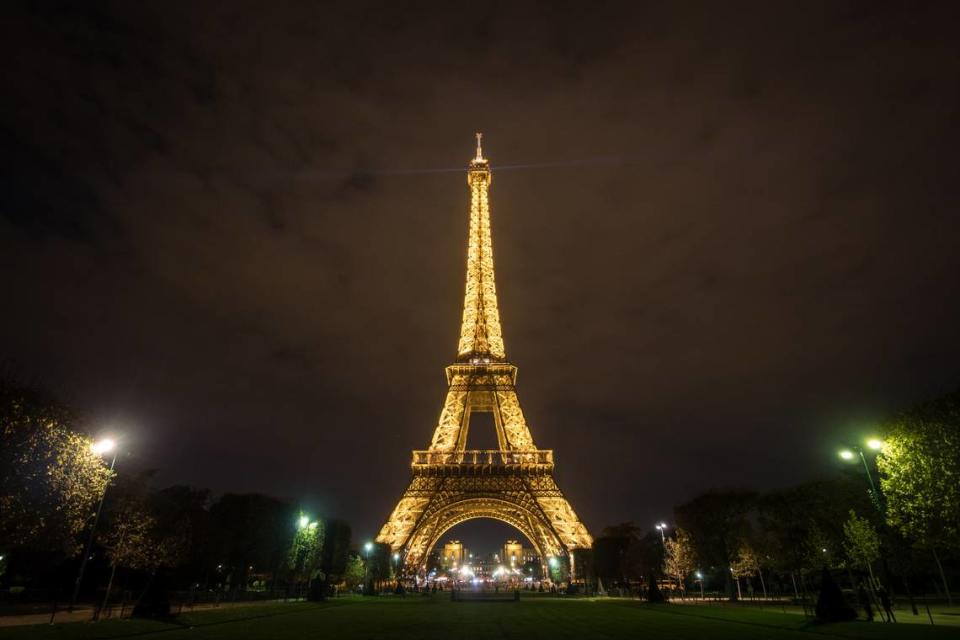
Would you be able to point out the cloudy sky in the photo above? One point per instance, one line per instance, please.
(725, 233)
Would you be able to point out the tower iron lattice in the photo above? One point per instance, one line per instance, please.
(452, 484)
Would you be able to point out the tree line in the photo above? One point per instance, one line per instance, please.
(182, 537)
(903, 533)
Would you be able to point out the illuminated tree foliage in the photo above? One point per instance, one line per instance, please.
(559, 567)
(861, 542)
(354, 571)
(136, 543)
(305, 551)
(680, 558)
(749, 562)
(50, 480)
(142, 532)
(920, 473)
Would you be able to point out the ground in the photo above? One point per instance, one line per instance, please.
(426, 618)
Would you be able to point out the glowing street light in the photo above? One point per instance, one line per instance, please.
(367, 548)
(875, 444)
(661, 528)
(100, 447)
(304, 521)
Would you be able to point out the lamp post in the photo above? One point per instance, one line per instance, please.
(661, 528)
(100, 447)
(736, 577)
(367, 548)
(848, 454)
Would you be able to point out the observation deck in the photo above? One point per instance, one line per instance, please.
(483, 461)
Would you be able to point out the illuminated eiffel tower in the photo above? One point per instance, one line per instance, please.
(452, 484)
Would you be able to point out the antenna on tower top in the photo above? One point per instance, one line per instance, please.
(479, 157)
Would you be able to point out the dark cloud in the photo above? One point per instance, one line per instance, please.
(725, 234)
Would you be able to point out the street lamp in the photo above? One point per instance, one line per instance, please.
(100, 447)
(367, 548)
(304, 521)
(874, 444)
(736, 577)
(661, 528)
(700, 580)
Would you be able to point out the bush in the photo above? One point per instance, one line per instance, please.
(831, 605)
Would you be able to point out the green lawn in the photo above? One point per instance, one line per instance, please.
(436, 617)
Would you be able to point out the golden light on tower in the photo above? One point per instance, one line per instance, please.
(480, 333)
(452, 484)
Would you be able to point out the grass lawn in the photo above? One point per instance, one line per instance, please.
(437, 617)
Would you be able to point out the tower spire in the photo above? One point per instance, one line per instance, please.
(480, 336)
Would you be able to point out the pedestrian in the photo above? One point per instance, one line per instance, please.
(887, 606)
(864, 599)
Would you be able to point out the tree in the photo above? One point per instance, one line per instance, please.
(654, 594)
(559, 567)
(920, 472)
(140, 538)
(680, 558)
(305, 554)
(582, 565)
(862, 543)
(798, 523)
(354, 571)
(831, 605)
(50, 480)
(144, 531)
(335, 552)
(920, 475)
(184, 508)
(716, 521)
(748, 562)
(379, 560)
(612, 557)
(252, 532)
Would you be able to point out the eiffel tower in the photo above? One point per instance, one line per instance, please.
(452, 484)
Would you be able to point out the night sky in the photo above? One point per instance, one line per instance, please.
(726, 235)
